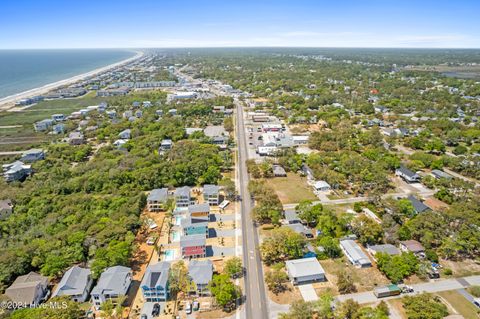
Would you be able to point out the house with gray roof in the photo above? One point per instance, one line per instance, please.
(440, 174)
(76, 138)
(182, 196)
(412, 246)
(354, 253)
(155, 282)
(195, 225)
(201, 272)
(113, 283)
(76, 284)
(304, 270)
(418, 205)
(214, 131)
(407, 174)
(16, 171)
(383, 248)
(291, 216)
(199, 210)
(6, 208)
(211, 194)
(300, 229)
(29, 289)
(157, 199)
(32, 155)
(125, 134)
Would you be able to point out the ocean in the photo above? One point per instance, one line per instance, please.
(22, 70)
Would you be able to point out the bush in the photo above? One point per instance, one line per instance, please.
(475, 291)
(448, 272)
(431, 255)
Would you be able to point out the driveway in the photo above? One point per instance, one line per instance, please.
(220, 251)
(308, 292)
(148, 306)
(222, 217)
(212, 233)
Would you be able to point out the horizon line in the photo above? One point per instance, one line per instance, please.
(244, 47)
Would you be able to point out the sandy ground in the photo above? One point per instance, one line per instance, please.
(9, 101)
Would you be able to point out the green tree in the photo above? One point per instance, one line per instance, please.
(424, 306)
(282, 244)
(224, 291)
(233, 267)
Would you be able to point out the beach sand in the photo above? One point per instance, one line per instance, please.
(9, 101)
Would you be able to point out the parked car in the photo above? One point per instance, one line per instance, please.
(143, 316)
(156, 310)
(476, 302)
(150, 241)
(196, 305)
(188, 308)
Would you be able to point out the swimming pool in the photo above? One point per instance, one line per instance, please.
(169, 254)
(178, 220)
(175, 236)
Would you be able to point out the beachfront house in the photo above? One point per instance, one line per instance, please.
(304, 270)
(157, 200)
(200, 272)
(193, 246)
(58, 117)
(182, 196)
(76, 284)
(113, 283)
(355, 254)
(58, 129)
(42, 125)
(32, 155)
(76, 138)
(125, 134)
(28, 290)
(154, 284)
(16, 171)
(211, 194)
(165, 145)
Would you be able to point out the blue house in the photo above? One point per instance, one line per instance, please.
(155, 282)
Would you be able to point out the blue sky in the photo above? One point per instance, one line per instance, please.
(227, 23)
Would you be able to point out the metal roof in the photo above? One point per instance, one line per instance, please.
(304, 267)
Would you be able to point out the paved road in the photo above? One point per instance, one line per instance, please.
(436, 286)
(256, 300)
(468, 179)
(359, 199)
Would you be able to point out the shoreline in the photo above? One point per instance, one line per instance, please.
(8, 102)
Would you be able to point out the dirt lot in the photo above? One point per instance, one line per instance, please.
(291, 189)
(462, 268)
(288, 296)
(365, 278)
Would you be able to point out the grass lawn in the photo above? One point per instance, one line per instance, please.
(460, 303)
(291, 189)
(45, 109)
